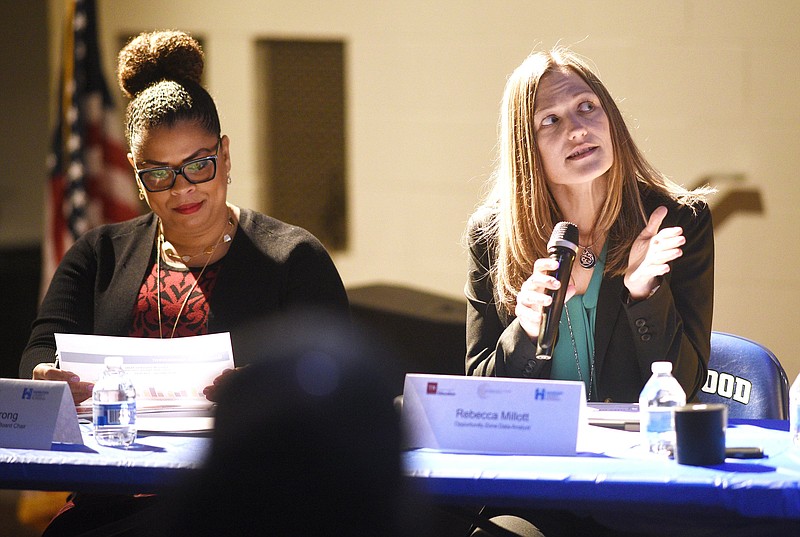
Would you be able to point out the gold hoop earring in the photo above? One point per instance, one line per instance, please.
(141, 194)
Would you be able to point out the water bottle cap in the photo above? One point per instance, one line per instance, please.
(113, 361)
(661, 367)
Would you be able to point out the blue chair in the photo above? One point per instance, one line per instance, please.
(747, 377)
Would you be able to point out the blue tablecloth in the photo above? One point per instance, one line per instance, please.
(152, 464)
(623, 481)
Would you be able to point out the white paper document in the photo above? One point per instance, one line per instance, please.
(169, 374)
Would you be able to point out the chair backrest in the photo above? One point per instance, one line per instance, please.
(747, 377)
(425, 330)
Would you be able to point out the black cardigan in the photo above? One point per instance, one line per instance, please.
(672, 325)
(270, 266)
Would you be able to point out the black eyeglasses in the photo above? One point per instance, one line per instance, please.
(200, 170)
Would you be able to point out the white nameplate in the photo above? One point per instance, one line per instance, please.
(36, 413)
(492, 415)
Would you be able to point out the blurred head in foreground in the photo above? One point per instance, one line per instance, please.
(306, 439)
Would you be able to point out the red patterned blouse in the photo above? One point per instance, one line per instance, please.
(175, 285)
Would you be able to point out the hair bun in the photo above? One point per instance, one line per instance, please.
(164, 55)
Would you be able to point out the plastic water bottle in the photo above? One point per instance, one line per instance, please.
(114, 406)
(794, 411)
(657, 403)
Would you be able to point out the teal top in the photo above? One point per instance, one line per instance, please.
(580, 340)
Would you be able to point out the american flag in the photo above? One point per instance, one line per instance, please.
(91, 181)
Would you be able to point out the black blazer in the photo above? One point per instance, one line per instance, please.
(270, 266)
(672, 325)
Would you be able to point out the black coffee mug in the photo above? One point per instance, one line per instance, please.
(700, 434)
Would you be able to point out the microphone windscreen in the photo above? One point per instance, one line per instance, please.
(564, 234)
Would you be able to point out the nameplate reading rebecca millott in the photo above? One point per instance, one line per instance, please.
(492, 415)
(36, 413)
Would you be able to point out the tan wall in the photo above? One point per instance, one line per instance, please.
(708, 86)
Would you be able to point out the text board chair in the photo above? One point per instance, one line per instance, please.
(747, 377)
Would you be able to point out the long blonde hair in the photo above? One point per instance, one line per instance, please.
(522, 208)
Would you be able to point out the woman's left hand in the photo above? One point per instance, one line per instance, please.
(212, 392)
(650, 255)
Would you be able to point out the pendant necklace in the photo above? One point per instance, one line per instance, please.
(577, 360)
(167, 249)
(587, 258)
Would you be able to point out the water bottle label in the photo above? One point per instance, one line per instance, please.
(115, 414)
(659, 422)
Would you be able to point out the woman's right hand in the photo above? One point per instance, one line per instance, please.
(81, 391)
(532, 297)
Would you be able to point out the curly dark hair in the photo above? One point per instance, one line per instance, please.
(160, 72)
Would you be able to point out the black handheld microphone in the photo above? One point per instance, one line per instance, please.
(562, 247)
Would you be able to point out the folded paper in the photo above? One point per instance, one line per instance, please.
(36, 413)
(492, 415)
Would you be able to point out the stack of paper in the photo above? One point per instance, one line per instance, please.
(169, 375)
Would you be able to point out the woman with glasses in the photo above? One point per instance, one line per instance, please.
(194, 265)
